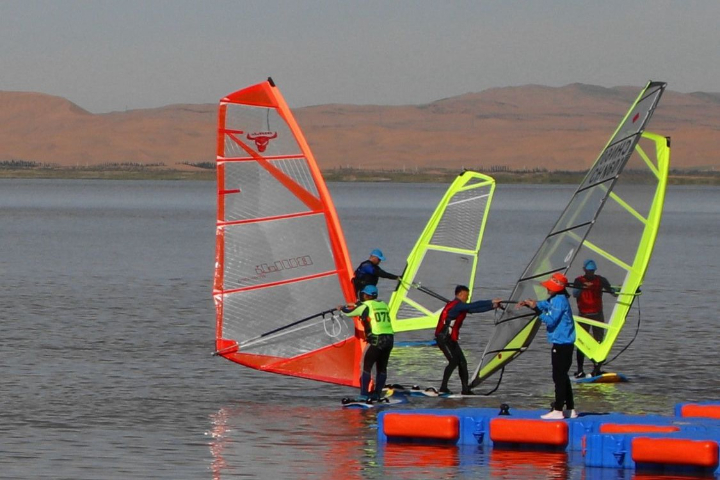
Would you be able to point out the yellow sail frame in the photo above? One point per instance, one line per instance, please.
(426, 317)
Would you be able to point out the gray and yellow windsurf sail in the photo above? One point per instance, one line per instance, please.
(610, 219)
(445, 255)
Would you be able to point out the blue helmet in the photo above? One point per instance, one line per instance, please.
(590, 265)
(370, 290)
(377, 253)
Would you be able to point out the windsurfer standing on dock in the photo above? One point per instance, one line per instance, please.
(557, 316)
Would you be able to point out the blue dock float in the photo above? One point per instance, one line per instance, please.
(592, 423)
(487, 427)
(687, 452)
(687, 444)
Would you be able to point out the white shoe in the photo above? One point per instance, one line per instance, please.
(553, 415)
(571, 413)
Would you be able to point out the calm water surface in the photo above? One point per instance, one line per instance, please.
(108, 326)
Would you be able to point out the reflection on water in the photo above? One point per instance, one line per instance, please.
(250, 439)
(108, 326)
(424, 365)
(513, 464)
(413, 461)
(674, 475)
(333, 443)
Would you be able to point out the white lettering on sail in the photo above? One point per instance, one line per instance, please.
(611, 162)
(284, 264)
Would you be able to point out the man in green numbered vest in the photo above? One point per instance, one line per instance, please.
(375, 317)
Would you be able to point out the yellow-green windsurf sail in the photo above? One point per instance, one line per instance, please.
(612, 221)
(445, 255)
(622, 240)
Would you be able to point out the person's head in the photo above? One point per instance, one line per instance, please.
(589, 266)
(462, 293)
(369, 291)
(556, 283)
(376, 256)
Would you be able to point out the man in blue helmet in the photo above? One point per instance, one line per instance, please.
(588, 290)
(375, 317)
(369, 271)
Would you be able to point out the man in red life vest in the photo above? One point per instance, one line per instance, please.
(447, 334)
(588, 292)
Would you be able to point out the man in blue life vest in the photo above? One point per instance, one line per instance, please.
(375, 317)
(368, 272)
(447, 334)
(588, 290)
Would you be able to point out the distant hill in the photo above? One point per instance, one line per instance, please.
(518, 127)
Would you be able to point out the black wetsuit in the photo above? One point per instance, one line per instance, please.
(447, 335)
(367, 273)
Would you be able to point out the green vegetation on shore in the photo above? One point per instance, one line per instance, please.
(677, 177)
(89, 173)
(447, 176)
(540, 176)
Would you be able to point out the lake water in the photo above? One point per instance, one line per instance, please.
(108, 328)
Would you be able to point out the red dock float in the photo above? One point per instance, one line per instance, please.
(675, 451)
(429, 427)
(637, 428)
(700, 410)
(529, 431)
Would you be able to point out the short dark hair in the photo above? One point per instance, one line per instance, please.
(461, 288)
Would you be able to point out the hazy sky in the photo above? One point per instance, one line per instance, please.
(116, 54)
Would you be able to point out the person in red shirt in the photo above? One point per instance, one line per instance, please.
(447, 334)
(588, 290)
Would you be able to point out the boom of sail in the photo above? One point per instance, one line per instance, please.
(445, 254)
(611, 220)
(280, 252)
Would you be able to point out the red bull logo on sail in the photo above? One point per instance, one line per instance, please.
(261, 139)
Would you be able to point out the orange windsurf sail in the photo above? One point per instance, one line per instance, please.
(281, 259)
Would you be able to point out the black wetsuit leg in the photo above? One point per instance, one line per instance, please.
(370, 357)
(455, 357)
(385, 346)
(561, 362)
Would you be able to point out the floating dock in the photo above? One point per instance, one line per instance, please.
(688, 441)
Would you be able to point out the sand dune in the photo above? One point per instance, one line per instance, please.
(518, 127)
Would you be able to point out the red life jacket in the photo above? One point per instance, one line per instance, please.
(590, 299)
(455, 334)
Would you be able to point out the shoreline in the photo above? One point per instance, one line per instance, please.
(343, 175)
